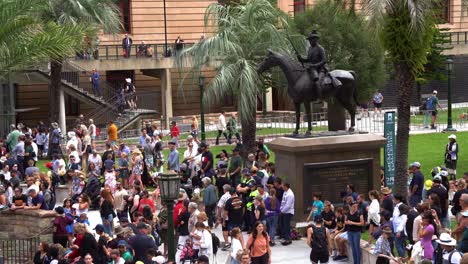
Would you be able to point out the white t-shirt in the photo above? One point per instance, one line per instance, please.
(236, 245)
(221, 123)
(96, 160)
(456, 257)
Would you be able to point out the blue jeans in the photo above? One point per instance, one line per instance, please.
(400, 244)
(234, 261)
(272, 223)
(415, 199)
(354, 239)
(108, 227)
(427, 117)
(285, 226)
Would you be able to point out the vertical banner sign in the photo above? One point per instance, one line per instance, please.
(389, 151)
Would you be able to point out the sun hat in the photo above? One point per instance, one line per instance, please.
(428, 184)
(447, 240)
(452, 137)
(386, 190)
(159, 259)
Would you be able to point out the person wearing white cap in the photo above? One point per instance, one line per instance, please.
(130, 91)
(432, 103)
(450, 254)
(451, 156)
(416, 185)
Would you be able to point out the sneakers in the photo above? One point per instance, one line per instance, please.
(286, 242)
(226, 247)
(272, 243)
(340, 258)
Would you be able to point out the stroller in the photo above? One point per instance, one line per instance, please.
(187, 254)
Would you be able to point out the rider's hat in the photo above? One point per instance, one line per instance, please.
(313, 34)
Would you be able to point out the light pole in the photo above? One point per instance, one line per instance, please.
(165, 30)
(201, 84)
(449, 95)
(169, 184)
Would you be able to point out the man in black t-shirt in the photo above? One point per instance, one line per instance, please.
(442, 193)
(234, 209)
(207, 160)
(328, 216)
(19, 200)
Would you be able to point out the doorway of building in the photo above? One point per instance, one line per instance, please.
(117, 78)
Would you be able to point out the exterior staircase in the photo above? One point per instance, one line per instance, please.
(75, 81)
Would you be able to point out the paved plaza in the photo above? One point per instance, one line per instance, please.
(297, 253)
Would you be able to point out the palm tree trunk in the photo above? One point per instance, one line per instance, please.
(405, 86)
(54, 86)
(249, 124)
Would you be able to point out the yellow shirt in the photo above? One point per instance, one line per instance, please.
(112, 132)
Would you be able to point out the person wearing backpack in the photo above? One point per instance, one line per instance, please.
(318, 238)
(431, 109)
(450, 254)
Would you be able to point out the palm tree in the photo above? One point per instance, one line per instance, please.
(26, 41)
(242, 34)
(407, 29)
(89, 15)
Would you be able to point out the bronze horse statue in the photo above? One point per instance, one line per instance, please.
(303, 90)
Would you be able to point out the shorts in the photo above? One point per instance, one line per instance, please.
(40, 147)
(377, 105)
(231, 226)
(343, 235)
(364, 106)
(225, 227)
(316, 256)
(194, 133)
(434, 112)
(93, 137)
(374, 224)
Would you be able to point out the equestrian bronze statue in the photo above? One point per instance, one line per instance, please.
(314, 83)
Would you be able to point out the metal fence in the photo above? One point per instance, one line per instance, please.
(366, 121)
(19, 251)
(114, 52)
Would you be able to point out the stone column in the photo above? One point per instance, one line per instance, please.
(269, 100)
(167, 96)
(62, 119)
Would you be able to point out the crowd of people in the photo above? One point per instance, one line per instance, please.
(246, 200)
(121, 183)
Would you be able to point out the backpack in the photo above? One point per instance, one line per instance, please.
(215, 242)
(52, 201)
(451, 253)
(98, 131)
(319, 239)
(429, 103)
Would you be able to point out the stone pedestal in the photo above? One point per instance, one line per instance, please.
(327, 164)
(25, 224)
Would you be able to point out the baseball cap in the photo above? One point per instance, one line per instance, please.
(99, 227)
(142, 225)
(252, 184)
(428, 184)
(246, 171)
(438, 178)
(34, 188)
(124, 219)
(452, 136)
(415, 164)
(434, 92)
(122, 243)
(443, 173)
(318, 219)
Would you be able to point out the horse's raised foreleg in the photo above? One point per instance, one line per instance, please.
(309, 118)
(298, 117)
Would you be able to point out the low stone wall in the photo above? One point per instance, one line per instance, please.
(23, 224)
(61, 192)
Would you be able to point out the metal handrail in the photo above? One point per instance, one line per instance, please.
(116, 51)
(458, 37)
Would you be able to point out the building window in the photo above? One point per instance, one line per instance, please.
(443, 10)
(299, 6)
(126, 16)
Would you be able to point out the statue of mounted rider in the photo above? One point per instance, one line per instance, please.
(314, 82)
(318, 68)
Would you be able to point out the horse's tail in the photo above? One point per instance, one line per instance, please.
(355, 94)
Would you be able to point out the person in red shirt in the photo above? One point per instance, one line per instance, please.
(179, 208)
(175, 132)
(145, 200)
